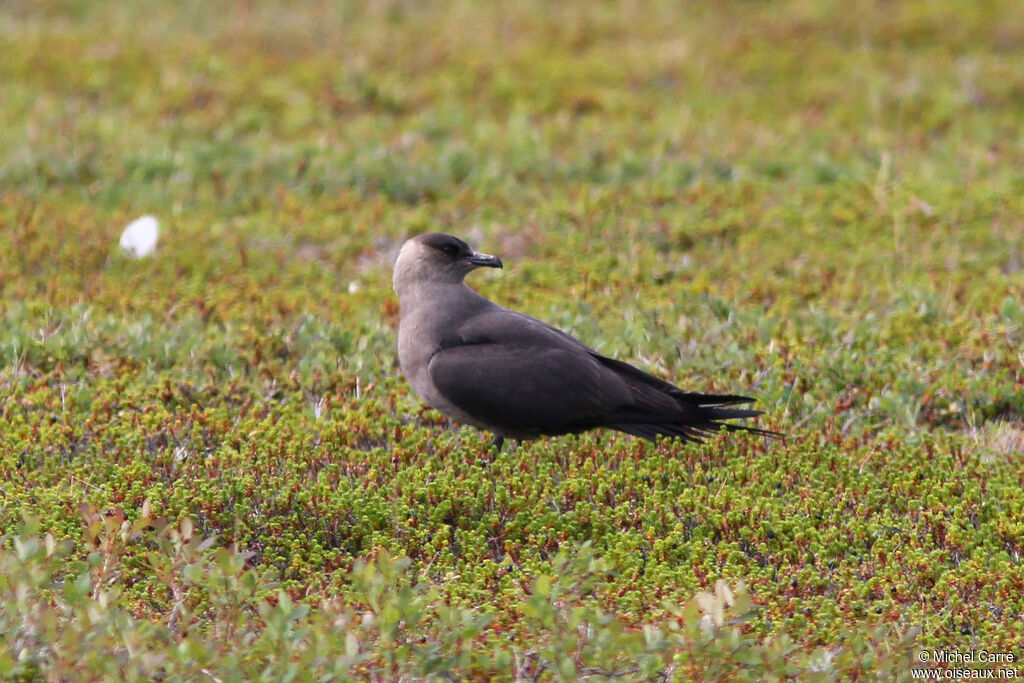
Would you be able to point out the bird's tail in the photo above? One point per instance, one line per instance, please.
(699, 416)
(663, 409)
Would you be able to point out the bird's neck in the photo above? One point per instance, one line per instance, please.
(430, 311)
(432, 298)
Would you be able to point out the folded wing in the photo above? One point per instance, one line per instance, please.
(528, 390)
(524, 377)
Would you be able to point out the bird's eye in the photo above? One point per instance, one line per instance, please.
(449, 249)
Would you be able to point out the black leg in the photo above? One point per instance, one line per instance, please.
(498, 442)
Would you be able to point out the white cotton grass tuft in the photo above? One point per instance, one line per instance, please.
(139, 238)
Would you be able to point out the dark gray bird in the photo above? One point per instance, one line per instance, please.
(520, 378)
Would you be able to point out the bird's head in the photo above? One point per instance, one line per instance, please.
(437, 257)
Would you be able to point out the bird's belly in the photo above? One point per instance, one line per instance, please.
(415, 365)
(425, 389)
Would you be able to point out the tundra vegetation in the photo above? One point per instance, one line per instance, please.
(210, 468)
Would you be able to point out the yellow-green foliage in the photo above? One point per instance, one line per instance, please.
(66, 619)
(816, 203)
